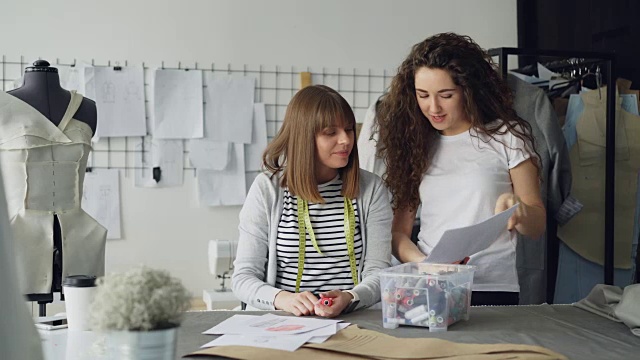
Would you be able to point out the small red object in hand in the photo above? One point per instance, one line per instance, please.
(326, 301)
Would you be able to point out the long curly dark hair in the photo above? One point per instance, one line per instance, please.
(407, 139)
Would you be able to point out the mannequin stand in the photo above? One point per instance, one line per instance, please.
(43, 300)
(56, 284)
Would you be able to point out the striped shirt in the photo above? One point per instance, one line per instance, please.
(321, 273)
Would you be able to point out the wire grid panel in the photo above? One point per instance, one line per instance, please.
(275, 86)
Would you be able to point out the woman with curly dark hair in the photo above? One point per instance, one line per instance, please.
(452, 143)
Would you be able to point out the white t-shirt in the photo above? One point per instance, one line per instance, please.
(468, 173)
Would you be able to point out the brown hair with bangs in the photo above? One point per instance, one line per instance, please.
(292, 153)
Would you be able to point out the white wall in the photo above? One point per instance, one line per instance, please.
(165, 227)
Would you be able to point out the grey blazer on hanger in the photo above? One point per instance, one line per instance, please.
(532, 104)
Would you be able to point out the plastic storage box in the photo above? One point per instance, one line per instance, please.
(427, 295)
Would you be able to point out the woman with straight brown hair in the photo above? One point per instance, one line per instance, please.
(313, 224)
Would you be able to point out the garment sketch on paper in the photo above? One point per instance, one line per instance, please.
(108, 92)
(131, 92)
(178, 111)
(159, 164)
(103, 191)
(101, 199)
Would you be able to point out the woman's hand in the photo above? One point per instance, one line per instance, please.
(401, 245)
(530, 217)
(507, 200)
(299, 304)
(462, 262)
(341, 300)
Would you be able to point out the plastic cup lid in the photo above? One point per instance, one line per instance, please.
(79, 281)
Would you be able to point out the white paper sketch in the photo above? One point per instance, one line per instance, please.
(75, 77)
(223, 327)
(229, 107)
(224, 187)
(271, 324)
(120, 101)
(285, 343)
(207, 154)
(101, 199)
(253, 151)
(164, 161)
(89, 83)
(177, 104)
(456, 244)
(237, 324)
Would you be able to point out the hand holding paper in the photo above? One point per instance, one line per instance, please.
(456, 244)
(506, 201)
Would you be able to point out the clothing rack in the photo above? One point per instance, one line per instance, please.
(608, 62)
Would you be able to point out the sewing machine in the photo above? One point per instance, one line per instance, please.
(221, 256)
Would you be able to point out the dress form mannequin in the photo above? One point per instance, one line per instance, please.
(18, 337)
(42, 91)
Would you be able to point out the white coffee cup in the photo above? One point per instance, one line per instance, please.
(78, 295)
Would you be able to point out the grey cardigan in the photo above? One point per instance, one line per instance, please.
(255, 267)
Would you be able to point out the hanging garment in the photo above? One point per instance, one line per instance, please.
(368, 142)
(584, 233)
(532, 105)
(43, 166)
(577, 275)
(575, 108)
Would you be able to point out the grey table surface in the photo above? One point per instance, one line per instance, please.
(571, 331)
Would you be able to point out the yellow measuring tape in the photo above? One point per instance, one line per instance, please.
(304, 225)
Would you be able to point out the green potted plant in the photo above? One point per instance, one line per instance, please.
(139, 311)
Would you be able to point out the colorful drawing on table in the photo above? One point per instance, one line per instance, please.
(264, 325)
(289, 327)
